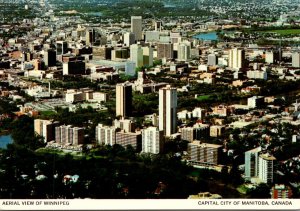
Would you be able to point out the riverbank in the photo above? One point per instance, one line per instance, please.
(5, 132)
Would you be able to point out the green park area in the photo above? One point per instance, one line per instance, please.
(283, 31)
(47, 114)
(242, 189)
(205, 97)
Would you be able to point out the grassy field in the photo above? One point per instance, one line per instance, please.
(58, 152)
(283, 31)
(204, 97)
(47, 113)
(242, 189)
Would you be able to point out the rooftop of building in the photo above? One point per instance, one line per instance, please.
(217, 126)
(200, 144)
(267, 156)
(129, 133)
(168, 87)
(257, 149)
(241, 124)
(280, 187)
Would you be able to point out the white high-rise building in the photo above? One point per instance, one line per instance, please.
(152, 140)
(236, 58)
(198, 113)
(273, 56)
(266, 168)
(105, 135)
(66, 134)
(129, 38)
(184, 52)
(136, 27)
(255, 101)
(296, 59)
(269, 57)
(259, 166)
(168, 110)
(257, 74)
(136, 55)
(251, 163)
(212, 59)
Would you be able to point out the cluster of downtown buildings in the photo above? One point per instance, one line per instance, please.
(101, 55)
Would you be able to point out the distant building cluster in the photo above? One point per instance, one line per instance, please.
(214, 96)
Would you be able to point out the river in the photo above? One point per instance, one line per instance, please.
(207, 36)
(5, 140)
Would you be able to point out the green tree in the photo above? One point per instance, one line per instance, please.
(262, 191)
(23, 133)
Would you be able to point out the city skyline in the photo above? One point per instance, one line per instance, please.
(149, 99)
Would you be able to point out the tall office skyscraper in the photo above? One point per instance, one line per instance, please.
(168, 110)
(212, 59)
(61, 47)
(184, 52)
(136, 55)
(50, 58)
(165, 50)
(147, 56)
(158, 25)
(236, 58)
(296, 59)
(90, 36)
(129, 38)
(123, 99)
(136, 27)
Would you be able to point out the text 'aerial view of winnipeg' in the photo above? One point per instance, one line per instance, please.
(149, 99)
